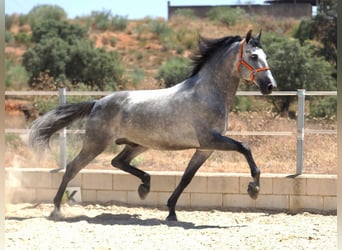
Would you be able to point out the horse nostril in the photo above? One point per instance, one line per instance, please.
(270, 87)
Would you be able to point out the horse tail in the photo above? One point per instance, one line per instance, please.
(48, 124)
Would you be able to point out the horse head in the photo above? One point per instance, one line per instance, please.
(252, 64)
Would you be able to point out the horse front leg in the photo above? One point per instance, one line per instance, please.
(195, 163)
(220, 142)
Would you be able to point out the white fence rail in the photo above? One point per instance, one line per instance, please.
(301, 131)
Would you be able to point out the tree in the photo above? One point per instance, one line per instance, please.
(322, 28)
(296, 66)
(64, 53)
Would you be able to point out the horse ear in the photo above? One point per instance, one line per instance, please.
(248, 36)
(258, 36)
(202, 45)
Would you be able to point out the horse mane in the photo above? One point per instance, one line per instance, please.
(207, 48)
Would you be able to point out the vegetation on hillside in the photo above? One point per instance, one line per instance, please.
(106, 52)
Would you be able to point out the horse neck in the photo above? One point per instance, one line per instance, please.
(221, 77)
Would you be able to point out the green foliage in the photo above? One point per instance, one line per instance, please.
(160, 28)
(94, 67)
(23, 38)
(226, 15)
(8, 21)
(173, 71)
(42, 13)
(137, 76)
(119, 23)
(64, 53)
(103, 20)
(50, 29)
(16, 75)
(9, 37)
(323, 107)
(50, 55)
(296, 66)
(241, 103)
(322, 28)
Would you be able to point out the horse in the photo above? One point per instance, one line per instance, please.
(192, 114)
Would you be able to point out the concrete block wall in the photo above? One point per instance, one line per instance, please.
(207, 190)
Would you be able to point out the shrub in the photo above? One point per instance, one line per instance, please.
(160, 28)
(8, 21)
(94, 67)
(50, 29)
(42, 13)
(137, 76)
(241, 104)
(50, 55)
(323, 107)
(296, 67)
(173, 71)
(23, 38)
(63, 53)
(9, 38)
(103, 20)
(16, 75)
(226, 15)
(119, 23)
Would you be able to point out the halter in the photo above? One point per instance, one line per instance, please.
(248, 66)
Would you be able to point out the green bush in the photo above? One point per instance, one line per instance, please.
(16, 75)
(296, 66)
(94, 67)
(103, 20)
(9, 37)
(241, 104)
(50, 29)
(8, 21)
(23, 38)
(226, 15)
(119, 23)
(160, 28)
(137, 76)
(63, 53)
(323, 107)
(44, 12)
(173, 71)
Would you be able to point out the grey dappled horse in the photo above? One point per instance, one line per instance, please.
(190, 115)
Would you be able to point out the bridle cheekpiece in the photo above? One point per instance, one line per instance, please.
(248, 66)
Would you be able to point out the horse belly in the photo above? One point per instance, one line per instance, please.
(165, 134)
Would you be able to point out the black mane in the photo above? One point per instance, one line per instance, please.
(207, 47)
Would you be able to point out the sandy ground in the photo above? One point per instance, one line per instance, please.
(105, 227)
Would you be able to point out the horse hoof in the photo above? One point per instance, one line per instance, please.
(56, 215)
(253, 190)
(143, 191)
(172, 217)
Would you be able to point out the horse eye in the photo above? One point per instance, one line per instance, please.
(254, 56)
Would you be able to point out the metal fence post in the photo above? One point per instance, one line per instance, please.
(62, 133)
(300, 130)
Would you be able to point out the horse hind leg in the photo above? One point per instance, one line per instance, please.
(91, 148)
(122, 161)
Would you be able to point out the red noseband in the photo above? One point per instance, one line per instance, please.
(248, 66)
